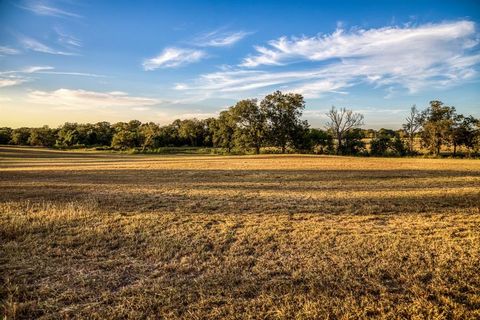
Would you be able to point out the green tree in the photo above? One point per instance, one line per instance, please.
(320, 141)
(103, 134)
(465, 132)
(149, 132)
(192, 131)
(210, 125)
(224, 132)
(250, 127)
(127, 135)
(5, 135)
(43, 136)
(68, 135)
(437, 124)
(387, 142)
(283, 112)
(353, 142)
(20, 136)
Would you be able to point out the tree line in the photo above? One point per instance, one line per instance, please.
(274, 123)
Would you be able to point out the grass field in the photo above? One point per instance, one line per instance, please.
(97, 235)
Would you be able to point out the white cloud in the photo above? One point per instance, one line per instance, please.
(415, 58)
(220, 39)
(81, 99)
(7, 82)
(7, 50)
(173, 57)
(66, 39)
(20, 74)
(80, 74)
(44, 9)
(33, 69)
(388, 41)
(37, 46)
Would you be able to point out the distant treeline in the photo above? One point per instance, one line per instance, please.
(272, 123)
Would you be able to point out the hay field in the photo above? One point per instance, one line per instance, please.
(109, 236)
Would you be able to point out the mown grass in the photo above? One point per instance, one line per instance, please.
(100, 236)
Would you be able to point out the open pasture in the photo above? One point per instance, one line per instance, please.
(101, 235)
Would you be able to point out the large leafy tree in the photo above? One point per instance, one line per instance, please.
(149, 132)
(283, 112)
(437, 124)
(319, 141)
(387, 142)
(465, 132)
(20, 136)
(192, 131)
(250, 124)
(127, 134)
(43, 136)
(5, 135)
(224, 131)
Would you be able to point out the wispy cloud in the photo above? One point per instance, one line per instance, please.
(80, 74)
(35, 45)
(173, 57)
(16, 77)
(44, 8)
(77, 99)
(389, 41)
(4, 50)
(220, 38)
(11, 81)
(66, 39)
(412, 57)
(33, 69)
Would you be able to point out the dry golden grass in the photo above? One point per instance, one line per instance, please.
(97, 235)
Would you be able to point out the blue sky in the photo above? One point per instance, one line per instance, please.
(88, 61)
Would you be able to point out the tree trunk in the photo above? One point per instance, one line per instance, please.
(454, 150)
(257, 149)
(283, 149)
(339, 145)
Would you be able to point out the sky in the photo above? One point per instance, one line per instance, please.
(89, 61)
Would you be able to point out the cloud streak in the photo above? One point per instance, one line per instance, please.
(220, 39)
(173, 57)
(11, 81)
(42, 8)
(78, 99)
(4, 50)
(35, 45)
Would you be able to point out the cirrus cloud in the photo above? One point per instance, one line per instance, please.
(82, 99)
(173, 57)
(218, 38)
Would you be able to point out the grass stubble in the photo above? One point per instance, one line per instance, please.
(103, 236)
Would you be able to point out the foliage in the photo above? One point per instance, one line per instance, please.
(250, 128)
(353, 143)
(387, 143)
(319, 141)
(272, 125)
(43, 136)
(283, 112)
(5, 135)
